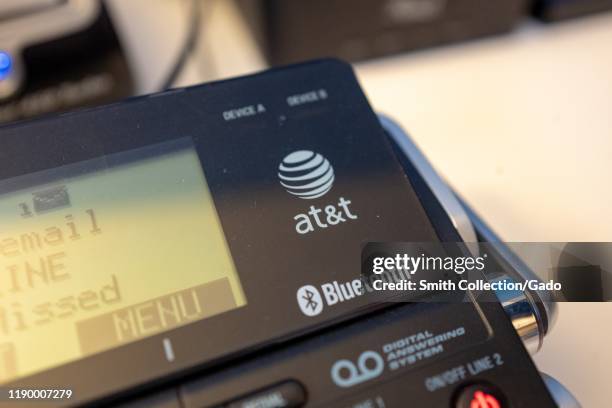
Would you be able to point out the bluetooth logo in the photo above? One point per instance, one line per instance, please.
(310, 301)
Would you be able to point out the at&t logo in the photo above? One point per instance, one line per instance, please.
(306, 174)
(309, 175)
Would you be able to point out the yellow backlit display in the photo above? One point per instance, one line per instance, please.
(98, 260)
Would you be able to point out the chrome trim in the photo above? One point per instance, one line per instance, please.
(543, 298)
(562, 396)
(524, 318)
(523, 311)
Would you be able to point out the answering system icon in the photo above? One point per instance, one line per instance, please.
(306, 174)
(346, 374)
(310, 301)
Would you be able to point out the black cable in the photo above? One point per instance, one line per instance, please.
(188, 47)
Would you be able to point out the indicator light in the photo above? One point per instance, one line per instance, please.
(480, 396)
(484, 400)
(6, 64)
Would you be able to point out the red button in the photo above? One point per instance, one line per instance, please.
(480, 396)
(484, 400)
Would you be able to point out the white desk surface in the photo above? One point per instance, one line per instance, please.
(521, 127)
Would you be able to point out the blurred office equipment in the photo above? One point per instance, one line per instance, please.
(58, 55)
(219, 42)
(293, 30)
(554, 10)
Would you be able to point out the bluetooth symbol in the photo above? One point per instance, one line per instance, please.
(310, 301)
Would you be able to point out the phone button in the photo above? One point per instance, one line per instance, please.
(290, 394)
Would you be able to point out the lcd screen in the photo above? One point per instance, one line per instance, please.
(105, 252)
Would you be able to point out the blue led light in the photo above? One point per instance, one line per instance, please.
(6, 64)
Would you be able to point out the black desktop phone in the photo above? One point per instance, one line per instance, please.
(200, 247)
